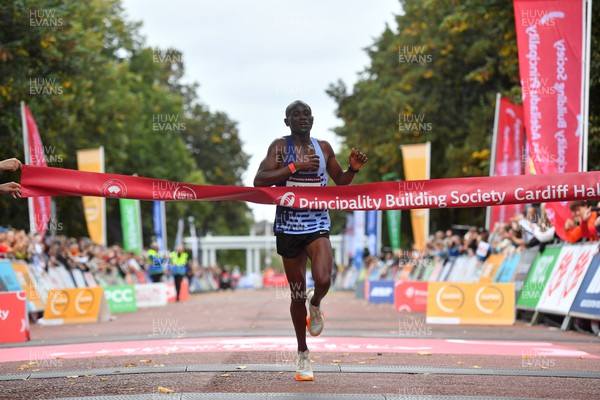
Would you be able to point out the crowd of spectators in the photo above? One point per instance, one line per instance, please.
(109, 265)
(524, 230)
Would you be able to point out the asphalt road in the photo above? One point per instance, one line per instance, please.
(241, 345)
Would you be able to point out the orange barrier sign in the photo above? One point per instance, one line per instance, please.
(471, 303)
(31, 293)
(70, 306)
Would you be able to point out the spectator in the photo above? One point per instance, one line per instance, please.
(582, 226)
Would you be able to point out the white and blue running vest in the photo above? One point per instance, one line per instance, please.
(297, 221)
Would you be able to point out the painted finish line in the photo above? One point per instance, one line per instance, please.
(333, 344)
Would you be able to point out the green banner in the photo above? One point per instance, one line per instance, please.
(393, 222)
(538, 278)
(131, 225)
(393, 218)
(120, 298)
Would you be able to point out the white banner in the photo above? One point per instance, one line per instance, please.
(563, 285)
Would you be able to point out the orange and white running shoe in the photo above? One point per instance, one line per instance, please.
(315, 321)
(304, 371)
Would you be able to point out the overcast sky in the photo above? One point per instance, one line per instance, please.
(252, 58)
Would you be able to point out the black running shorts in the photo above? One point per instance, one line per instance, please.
(289, 246)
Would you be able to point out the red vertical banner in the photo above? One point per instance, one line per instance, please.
(509, 150)
(551, 47)
(35, 155)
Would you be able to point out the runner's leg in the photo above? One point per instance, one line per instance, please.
(321, 260)
(295, 270)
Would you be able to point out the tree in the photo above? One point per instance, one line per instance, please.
(434, 79)
(90, 81)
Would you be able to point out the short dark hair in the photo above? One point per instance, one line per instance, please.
(290, 107)
(576, 204)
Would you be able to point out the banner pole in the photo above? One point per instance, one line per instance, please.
(585, 90)
(488, 209)
(30, 205)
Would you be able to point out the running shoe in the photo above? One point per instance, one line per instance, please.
(315, 319)
(304, 371)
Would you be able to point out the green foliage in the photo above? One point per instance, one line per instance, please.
(101, 86)
(466, 52)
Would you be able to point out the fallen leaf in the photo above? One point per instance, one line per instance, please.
(280, 372)
(240, 367)
(336, 361)
(130, 389)
(476, 366)
(162, 389)
(345, 355)
(89, 376)
(460, 362)
(362, 362)
(35, 370)
(72, 383)
(130, 365)
(372, 358)
(72, 376)
(158, 365)
(30, 363)
(225, 375)
(146, 361)
(424, 353)
(525, 356)
(103, 379)
(22, 367)
(543, 367)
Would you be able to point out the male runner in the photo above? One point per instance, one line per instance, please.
(299, 160)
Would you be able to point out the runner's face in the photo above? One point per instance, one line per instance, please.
(300, 119)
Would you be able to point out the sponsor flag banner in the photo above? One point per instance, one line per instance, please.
(508, 154)
(528, 257)
(14, 321)
(131, 224)
(551, 47)
(538, 276)
(464, 270)
(77, 305)
(393, 218)
(151, 295)
(566, 278)
(358, 243)
(491, 267)
(8, 278)
(371, 232)
(94, 206)
(34, 300)
(39, 207)
(380, 292)
(587, 301)
(120, 299)
(448, 266)
(410, 296)
(415, 158)
(471, 303)
(433, 193)
(158, 216)
(507, 269)
(437, 269)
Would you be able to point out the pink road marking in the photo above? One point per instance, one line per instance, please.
(329, 344)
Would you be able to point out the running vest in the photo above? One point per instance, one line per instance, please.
(297, 221)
